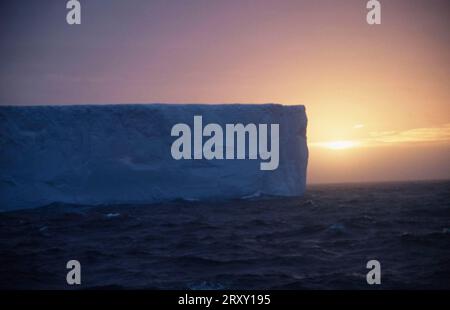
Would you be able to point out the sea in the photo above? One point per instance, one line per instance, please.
(322, 240)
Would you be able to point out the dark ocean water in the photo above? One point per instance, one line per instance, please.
(320, 241)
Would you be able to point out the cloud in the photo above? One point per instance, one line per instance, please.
(386, 138)
(416, 135)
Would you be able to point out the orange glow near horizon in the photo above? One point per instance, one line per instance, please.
(336, 145)
(433, 135)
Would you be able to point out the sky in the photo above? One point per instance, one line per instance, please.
(376, 96)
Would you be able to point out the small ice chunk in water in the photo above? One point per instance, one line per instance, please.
(111, 215)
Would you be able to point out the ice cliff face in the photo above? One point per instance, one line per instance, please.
(121, 154)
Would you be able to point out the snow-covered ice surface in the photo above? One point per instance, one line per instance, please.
(121, 154)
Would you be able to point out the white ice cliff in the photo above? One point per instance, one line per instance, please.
(121, 154)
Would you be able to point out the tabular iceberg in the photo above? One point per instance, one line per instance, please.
(121, 154)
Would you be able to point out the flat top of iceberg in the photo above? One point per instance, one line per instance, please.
(157, 104)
